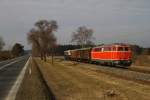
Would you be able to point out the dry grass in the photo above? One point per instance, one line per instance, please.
(71, 81)
(143, 60)
(32, 87)
(5, 55)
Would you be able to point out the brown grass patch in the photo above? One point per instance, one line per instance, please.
(70, 81)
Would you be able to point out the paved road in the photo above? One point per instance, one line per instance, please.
(9, 71)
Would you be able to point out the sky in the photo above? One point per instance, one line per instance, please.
(126, 21)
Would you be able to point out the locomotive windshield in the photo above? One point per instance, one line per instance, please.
(123, 48)
(126, 48)
(120, 49)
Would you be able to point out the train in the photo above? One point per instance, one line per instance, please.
(109, 54)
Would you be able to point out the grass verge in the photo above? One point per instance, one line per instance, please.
(33, 87)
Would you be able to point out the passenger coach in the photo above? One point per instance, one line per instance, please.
(113, 54)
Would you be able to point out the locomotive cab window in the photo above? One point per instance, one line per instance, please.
(113, 48)
(96, 49)
(126, 49)
(120, 49)
(107, 49)
(102, 49)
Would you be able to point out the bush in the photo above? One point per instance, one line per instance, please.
(5, 55)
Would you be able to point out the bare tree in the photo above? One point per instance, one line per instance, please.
(1, 43)
(83, 36)
(42, 37)
(33, 38)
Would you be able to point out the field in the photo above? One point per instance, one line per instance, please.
(74, 81)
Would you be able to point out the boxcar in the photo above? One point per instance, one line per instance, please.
(85, 54)
(81, 54)
(67, 54)
(74, 54)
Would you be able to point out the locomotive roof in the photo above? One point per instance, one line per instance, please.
(115, 44)
(83, 48)
(105, 45)
(79, 49)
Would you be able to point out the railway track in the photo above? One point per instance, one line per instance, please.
(136, 75)
(131, 69)
(128, 74)
(139, 70)
(124, 68)
(133, 74)
(144, 79)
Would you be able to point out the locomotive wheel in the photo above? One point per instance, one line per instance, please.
(113, 65)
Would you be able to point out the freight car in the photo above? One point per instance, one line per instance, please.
(81, 54)
(112, 54)
(67, 55)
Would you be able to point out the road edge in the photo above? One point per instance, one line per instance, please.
(51, 94)
(13, 92)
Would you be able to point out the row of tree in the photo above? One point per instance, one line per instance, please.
(137, 50)
(15, 51)
(2, 43)
(42, 38)
(44, 42)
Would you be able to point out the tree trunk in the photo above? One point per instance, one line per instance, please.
(45, 57)
(41, 55)
(52, 57)
(82, 46)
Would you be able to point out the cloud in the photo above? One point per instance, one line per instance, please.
(112, 20)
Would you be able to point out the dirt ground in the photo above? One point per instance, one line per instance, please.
(70, 81)
(32, 87)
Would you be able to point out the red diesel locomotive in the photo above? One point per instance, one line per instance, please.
(113, 54)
